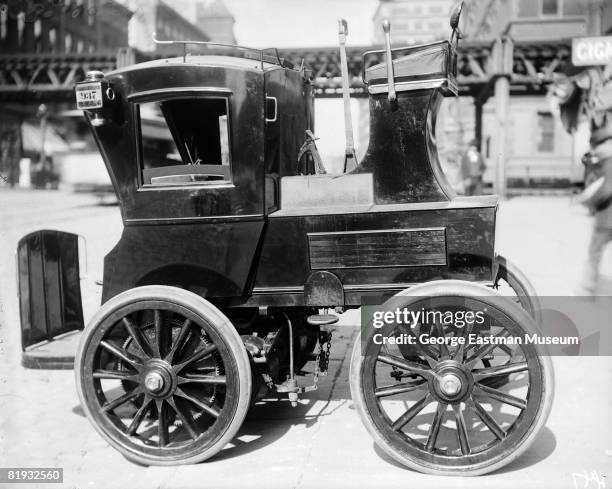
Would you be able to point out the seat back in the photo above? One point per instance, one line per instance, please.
(326, 191)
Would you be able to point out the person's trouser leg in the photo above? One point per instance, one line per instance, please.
(469, 187)
(599, 239)
(477, 190)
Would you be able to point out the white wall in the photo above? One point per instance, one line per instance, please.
(524, 160)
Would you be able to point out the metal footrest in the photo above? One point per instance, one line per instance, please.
(322, 319)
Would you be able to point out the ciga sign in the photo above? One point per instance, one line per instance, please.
(591, 51)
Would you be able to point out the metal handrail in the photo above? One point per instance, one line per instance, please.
(260, 52)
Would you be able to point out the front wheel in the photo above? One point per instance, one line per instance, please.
(432, 408)
(163, 376)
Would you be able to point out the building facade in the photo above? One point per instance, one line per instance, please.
(156, 17)
(413, 21)
(214, 18)
(525, 20)
(538, 149)
(29, 126)
(81, 26)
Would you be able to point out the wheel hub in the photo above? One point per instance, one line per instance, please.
(158, 379)
(452, 382)
(154, 382)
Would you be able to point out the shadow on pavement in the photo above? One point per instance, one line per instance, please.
(270, 419)
(267, 422)
(543, 446)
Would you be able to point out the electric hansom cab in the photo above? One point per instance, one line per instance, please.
(235, 257)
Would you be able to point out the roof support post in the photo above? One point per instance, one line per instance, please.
(503, 56)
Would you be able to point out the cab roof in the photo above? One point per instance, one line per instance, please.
(224, 61)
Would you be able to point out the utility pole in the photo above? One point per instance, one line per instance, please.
(502, 103)
(503, 58)
(41, 175)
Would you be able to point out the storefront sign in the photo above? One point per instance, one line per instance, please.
(589, 51)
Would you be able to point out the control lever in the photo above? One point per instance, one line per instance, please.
(454, 23)
(390, 75)
(350, 158)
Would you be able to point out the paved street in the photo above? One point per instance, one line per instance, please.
(322, 443)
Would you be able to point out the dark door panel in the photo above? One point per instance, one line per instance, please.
(49, 285)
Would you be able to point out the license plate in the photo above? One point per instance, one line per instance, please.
(89, 95)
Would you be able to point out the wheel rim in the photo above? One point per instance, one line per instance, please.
(443, 413)
(159, 380)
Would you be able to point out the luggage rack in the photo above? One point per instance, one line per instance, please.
(249, 53)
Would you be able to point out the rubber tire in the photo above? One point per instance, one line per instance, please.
(201, 307)
(456, 288)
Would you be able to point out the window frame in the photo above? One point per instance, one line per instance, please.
(181, 93)
(558, 13)
(539, 10)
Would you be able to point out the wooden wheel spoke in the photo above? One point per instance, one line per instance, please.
(428, 354)
(198, 355)
(139, 416)
(412, 367)
(459, 354)
(506, 349)
(139, 340)
(162, 423)
(115, 374)
(398, 388)
(185, 417)
(202, 379)
(462, 434)
(158, 324)
(484, 350)
(488, 420)
(115, 403)
(434, 430)
(208, 407)
(511, 368)
(483, 390)
(444, 353)
(122, 354)
(180, 340)
(416, 408)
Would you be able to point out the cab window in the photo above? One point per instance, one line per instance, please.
(185, 141)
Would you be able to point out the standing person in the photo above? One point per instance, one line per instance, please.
(589, 93)
(472, 169)
(598, 198)
(9, 156)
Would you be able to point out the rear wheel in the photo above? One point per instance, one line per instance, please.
(435, 410)
(163, 376)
